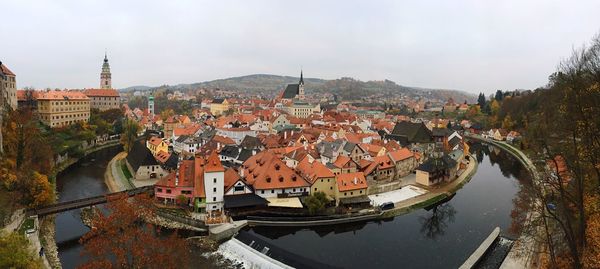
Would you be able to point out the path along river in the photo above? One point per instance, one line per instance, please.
(442, 237)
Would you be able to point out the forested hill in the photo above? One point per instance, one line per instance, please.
(345, 88)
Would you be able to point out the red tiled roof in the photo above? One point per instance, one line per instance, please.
(186, 176)
(162, 156)
(213, 164)
(6, 71)
(351, 181)
(101, 92)
(265, 171)
(231, 177)
(199, 177)
(155, 141)
(401, 154)
(343, 161)
(188, 130)
(313, 170)
(62, 95)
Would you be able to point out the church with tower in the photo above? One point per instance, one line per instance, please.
(294, 91)
(294, 101)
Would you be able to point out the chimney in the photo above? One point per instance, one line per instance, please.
(241, 172)
(355, 181)
(292, 133)
(284, 135)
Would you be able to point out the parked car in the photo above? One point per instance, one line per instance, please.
(386, 206)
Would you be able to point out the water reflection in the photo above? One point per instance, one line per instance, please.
(442, 236)
(436, 222)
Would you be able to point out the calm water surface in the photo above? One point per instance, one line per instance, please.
(442, 237)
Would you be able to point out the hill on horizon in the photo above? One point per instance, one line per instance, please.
(346, 88)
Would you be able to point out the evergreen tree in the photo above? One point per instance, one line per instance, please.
(499, 95)
(481, 100)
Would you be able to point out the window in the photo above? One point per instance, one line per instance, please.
(262, 192)
(214, 189)
(158, 189)
(168, 191)
(315, 189)
(214, 180)
(238, 188)
(351, 193)
(214, 200)
(345, 193)
(272, 191)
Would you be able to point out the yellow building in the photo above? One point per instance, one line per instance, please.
(218, 106)
(156, 145)
(320, 178)
(63, 108)
(350, 185)
(303, 109)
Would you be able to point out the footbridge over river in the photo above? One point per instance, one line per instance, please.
(86, 202)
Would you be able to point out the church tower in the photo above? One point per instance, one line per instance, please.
(151, 105)
(105, 82)
(301, 87)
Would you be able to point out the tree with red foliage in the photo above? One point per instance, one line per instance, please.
(119, 239)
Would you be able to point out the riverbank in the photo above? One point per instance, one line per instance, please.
(113, 176)
(47, 226)
(433, 195)
(515, 258)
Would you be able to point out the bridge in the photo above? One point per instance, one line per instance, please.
(85, 202)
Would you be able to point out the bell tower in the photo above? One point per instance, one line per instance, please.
(105, 77)
(301, 87)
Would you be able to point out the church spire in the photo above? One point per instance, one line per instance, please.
(301, 77)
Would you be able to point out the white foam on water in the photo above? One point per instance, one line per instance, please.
(239, 252)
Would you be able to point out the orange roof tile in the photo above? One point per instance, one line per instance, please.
(186, 176)
(265, 171)
(213, 164)
(351, 181)
(199, 177)
(401, 154)
(313, 170)
(101, 92)
(5, 70)
(62, 95)
(231, 177)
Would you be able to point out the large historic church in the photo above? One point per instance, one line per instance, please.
(294, 91)
(293, 100)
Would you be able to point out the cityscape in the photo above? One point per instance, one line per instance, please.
(298, 170)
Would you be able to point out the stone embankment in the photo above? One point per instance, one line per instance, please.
(434, 195)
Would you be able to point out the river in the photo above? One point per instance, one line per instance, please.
(442, 237)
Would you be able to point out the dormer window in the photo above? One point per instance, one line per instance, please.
(268, 179)
(280, 178)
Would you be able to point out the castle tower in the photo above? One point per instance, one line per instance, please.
(105, 77)
(151, 105)
(301, 87)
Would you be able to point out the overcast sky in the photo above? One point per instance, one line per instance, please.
(467, 45)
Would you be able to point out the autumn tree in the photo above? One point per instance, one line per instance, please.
(564, 132)
(119, 239)
(130, 134)
(507, 123)
(40, 190)
(165, 114)
(15, 252)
